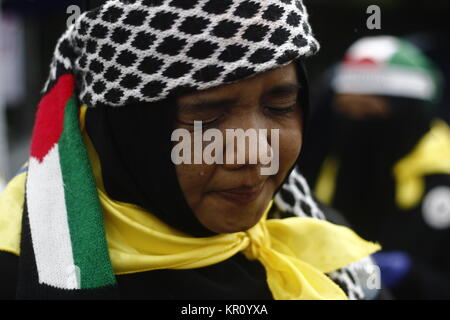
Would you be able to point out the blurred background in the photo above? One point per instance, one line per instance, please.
(29, 30)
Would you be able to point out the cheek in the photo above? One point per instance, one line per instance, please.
(194, 180)
(291, 140)
(290, 145)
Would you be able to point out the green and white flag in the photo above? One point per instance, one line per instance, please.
(61, 198)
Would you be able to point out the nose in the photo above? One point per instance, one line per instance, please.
(244, 143)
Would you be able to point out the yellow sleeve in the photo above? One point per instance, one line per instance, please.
(11, 210)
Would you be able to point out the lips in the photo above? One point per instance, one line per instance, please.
(242, 195)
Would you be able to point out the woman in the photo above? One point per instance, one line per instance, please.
(108, 214)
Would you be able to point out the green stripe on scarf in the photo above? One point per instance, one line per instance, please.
(84, 211)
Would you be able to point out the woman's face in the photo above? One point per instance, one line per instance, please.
(232, 197)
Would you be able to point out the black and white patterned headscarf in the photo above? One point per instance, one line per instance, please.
(145, 50)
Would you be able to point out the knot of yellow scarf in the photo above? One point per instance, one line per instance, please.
(259, 239)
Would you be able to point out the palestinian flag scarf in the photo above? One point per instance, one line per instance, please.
(63, 249)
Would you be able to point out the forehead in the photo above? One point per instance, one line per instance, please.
(286, 75)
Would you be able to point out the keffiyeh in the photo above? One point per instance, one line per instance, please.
(144, 51)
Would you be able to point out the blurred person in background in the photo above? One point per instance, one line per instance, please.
(385, 161)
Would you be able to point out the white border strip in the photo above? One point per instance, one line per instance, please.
(48, 222)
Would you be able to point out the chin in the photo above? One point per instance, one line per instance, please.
(221, 215)
(230, 221)
(241, 228)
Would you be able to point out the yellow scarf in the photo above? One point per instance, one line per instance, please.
(295, 252)
(430, 156)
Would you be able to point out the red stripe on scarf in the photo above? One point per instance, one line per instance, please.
(50, 117)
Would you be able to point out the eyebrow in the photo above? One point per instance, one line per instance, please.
(283, 90)
(202, 105)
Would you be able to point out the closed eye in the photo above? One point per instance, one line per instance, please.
(283, 110)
